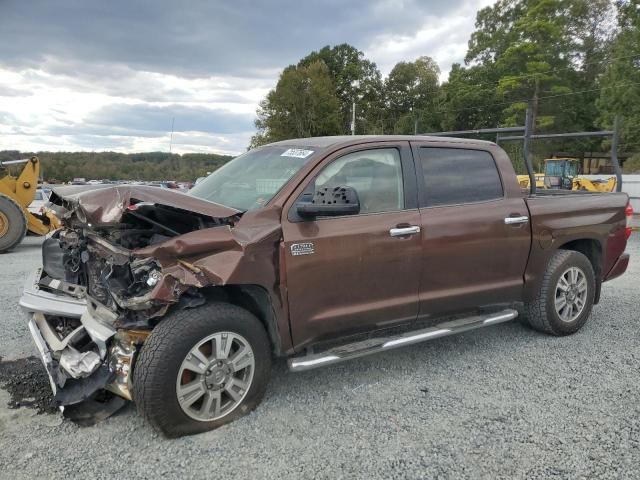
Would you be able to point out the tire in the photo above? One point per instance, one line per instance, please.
(542, 314)
(162, 365)
(13, 224)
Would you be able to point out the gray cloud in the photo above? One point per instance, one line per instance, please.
(7, 91)
(143, 121)
(245, 38)
(112, 75)
(151, 118)
(123, 81)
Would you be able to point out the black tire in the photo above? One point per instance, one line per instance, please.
(541, 313)
(14, 232)
(158, 365)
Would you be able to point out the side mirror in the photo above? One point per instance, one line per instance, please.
(330, 202)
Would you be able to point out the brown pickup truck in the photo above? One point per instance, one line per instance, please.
(318, 250)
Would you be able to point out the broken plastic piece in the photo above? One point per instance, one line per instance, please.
(79, 364)
(79, 390)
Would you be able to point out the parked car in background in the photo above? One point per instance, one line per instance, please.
(40, 200)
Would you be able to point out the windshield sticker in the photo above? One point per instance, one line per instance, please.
(297, 153)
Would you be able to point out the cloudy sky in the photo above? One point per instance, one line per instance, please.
(113, 75)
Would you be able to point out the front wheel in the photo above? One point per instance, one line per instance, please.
(13, 223)
(566, 295)
(202, 368)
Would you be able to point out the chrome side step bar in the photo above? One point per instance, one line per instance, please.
(381, 344)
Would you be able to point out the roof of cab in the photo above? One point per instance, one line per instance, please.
(325, 142)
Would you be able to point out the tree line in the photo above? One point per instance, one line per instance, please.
(575, 62)
(65, 166)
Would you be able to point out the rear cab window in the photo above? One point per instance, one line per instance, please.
(455, 176)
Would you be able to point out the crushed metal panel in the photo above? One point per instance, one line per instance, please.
(107, 205)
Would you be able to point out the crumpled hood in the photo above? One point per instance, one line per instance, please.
(106, 204)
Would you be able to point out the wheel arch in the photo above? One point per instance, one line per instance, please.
(255, 299)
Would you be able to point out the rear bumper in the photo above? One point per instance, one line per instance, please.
(618, 268)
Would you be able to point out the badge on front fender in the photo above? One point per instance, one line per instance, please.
(306, 248)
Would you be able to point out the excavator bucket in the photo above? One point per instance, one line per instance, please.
(582, 183)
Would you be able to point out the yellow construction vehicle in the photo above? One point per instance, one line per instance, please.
(563, 173)
(16, 193)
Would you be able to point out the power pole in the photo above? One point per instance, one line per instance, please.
(534, 105)
(353, 117)
(171, 137)
(528, 131)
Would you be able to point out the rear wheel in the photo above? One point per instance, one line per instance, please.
(202, 368)
(13, 223)
(566, 296)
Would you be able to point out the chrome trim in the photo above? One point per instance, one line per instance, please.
(34, 299)
(375, 345)
(14, 162)
(420, 337)
(516, 220)
(96, 320)
(45, 353)
(401, 232)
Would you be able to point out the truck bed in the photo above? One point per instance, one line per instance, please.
(594, 219)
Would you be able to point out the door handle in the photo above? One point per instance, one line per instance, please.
(516, 220)
(403, 231)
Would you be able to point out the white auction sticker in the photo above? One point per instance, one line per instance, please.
(297, 153)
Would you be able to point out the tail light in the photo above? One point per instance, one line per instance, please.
(629, 214)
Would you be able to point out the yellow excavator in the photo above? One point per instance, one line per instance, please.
(16, 193)
(563, 173)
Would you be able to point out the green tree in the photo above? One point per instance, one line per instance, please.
(356, 77)
(467, 97)
(303, 104)
(620, 93)
(411, 94)
(65, 166)
(542, 48)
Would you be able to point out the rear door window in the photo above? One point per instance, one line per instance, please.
(454, 176)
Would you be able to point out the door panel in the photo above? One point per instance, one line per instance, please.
(358, 277)
(358, 272)
(471, 258)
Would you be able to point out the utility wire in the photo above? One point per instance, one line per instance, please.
(524, 100)
(519, 77)
(523, 76)
(554, 70)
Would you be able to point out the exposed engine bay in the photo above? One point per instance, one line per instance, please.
(102, 258)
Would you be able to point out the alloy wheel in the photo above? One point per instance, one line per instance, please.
(571, 294)
(215, 376)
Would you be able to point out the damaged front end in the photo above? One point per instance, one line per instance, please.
(88, 361)
(122, 260)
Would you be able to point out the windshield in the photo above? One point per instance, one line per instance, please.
(249, 181)
(561, 168)
(554, 168)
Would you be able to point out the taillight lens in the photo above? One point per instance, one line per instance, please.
(629, 214)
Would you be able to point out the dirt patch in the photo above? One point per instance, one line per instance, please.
(27, 383)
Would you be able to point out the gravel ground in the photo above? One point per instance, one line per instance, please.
(502, 402)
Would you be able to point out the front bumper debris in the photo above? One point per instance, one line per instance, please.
(87, 360)
(49, 299)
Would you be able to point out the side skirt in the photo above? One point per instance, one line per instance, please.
(380, 344)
